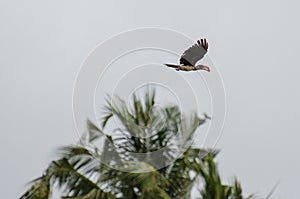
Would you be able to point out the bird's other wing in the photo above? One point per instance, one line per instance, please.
(193, 54)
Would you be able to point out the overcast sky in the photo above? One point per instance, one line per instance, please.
(255, 45)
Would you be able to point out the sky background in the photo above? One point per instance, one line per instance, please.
(255, 45)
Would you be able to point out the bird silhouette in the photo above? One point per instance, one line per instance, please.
(191, 56)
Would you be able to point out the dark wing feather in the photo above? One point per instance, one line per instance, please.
(192, 55)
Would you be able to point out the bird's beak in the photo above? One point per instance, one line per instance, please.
(206, 68)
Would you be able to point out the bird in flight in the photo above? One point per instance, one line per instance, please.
(191, 56)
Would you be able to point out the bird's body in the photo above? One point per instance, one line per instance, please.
(191, 56)
(182, 67)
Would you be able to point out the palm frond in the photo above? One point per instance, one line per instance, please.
(94, 131)
(64, 173)
(93, 194)
(40, 189)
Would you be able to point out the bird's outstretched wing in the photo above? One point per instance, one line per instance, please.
(194, 53)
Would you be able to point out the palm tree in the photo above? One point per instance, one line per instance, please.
(213, 187)
(86, 171)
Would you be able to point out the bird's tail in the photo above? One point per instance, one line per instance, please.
(172, 65)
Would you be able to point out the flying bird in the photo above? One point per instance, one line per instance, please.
(191, 56)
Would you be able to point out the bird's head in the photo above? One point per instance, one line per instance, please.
(203, 67)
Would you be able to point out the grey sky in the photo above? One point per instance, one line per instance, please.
(255, 44)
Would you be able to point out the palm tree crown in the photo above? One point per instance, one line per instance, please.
(115, 170)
